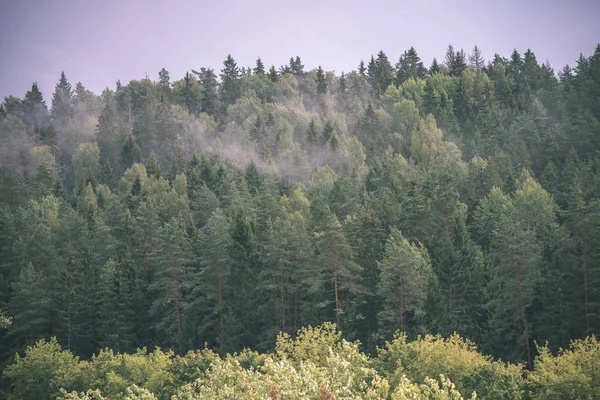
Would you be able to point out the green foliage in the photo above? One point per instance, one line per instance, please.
(270, 200)
(572, 373)
(455, 358)
(40, 372)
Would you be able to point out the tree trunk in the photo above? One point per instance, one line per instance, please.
(585, 284)
(337, 302)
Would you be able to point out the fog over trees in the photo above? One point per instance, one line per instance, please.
(206, 219)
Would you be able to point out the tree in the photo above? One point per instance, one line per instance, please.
(164, 82)
(31, 306)
(230, 82)
(514, 257)
(384, 73)
(191, 96)
(37, 375)
(37, 117)
(321, 81)
(209, 103)
(296, 67)
(171, 260)
(409, 66)
(435, 67)
(312, 132)
(362, 69)
(116, 308)
(214, 277)
(62, 104)
(476, 61)
(273, 74)
(109, 132)
(336, 271)
(405, 276)
(260, 67)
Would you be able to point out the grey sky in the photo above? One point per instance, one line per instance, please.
(99, 41)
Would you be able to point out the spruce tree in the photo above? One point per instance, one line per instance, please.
(362, 70)
(62, 104)
(209, 103)
(321, 81)
(405, 277)
(260, 67)
(273, 74)
(434, 68)
(230, 89)
(171, 259)
(476, 61)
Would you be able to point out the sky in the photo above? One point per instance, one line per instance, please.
(98, 42)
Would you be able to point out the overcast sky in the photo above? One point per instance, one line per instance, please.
(99, 41)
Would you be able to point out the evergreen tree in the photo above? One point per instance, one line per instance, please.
(171, 259)
(209, 102)
(362, 70)
(116, 315)
(273, 74)
(230, 89)
(312, 132)
(405, 276)
(435, 67)
(214, 277)
(260, 67)
(476, 61)
(384, 73)
(336, 271)
(409, 66)
(37, 117)
(296, 67)
(321, 81)
(62, 104)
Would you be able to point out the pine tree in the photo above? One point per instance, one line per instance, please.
(130, 152)
(109, 133)
(409, 66)
(152, 166)
(296, 67)
(321, 81)
(405, 276)
(384, 73)
(62, 104)
(273, 74)
(260, 67)
(312, 132)
(434, 68)
(116, 316)
(214, 277)
(288, 253)
(476, 61)
(190, 95)
(362, 70)
(171, 259)
(449, 58)
(343, 86)
(335, 270)
(230, 89)
(31, 307)
(37, 117)
(242, 314)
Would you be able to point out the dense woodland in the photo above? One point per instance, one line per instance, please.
(224, 210)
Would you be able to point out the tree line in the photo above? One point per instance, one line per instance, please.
(463, 197)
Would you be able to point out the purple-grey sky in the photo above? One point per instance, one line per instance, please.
(99, 41)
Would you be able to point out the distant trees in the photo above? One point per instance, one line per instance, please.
(226, 208)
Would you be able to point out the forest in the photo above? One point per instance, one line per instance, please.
(397, 231)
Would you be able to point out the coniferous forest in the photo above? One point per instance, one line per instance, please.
(399, 231)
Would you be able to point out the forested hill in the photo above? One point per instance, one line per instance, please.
(223, 209)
